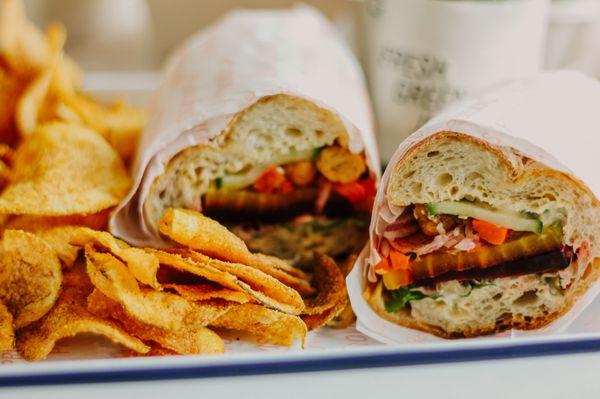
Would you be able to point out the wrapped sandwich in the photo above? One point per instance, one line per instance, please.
(477, 232)
(262, 123)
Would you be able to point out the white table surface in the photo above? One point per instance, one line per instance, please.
(567, 376)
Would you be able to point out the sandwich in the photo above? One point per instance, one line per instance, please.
(482, 238)
(262, 122)
(281, 176)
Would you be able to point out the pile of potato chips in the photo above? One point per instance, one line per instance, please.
(63, 160)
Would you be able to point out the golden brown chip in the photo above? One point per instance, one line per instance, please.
(318, 320)
(30, 276)
(162, 309)
(31, 104)
(346, 316)
(268, 325)
(7, 331)
(208, 236)
(343, 319)
(185, 341)
(24, 48)
(58, 239)
(143, 265)
(5, 174)
(120, 124)
(331, 287)
(207, 291)
(11, 88)
(58, 231)
(30, 223)
(64, 169)
(264, 288)
(206, 271)
(68, 318)
(331, 296)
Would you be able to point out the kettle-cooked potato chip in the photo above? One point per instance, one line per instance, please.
(120, 124)
(187, 266)
(31, 104)
(58, 231)
(162, 309)
(143, 265)
(331, 287)
(208, 291)
(331, 296)
(11, 87)
(346, 316)
(208, 236)
(34, 224)
(64, 169)
(30, 276)
(185, 341)
(7, 331)
(268, 325)
(263, 287)
(6, 154)
(68, 318)
(58, 239)
(24, 47)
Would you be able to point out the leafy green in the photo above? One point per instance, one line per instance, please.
(398, 299)
(555, 284)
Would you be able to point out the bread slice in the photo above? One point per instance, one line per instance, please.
(452, 166)
(273, 126)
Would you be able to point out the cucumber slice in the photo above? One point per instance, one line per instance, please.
(512, 220)
(292, 156)
(239, 181)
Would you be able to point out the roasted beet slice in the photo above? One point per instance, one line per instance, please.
(543, 263)
(521, 247)
(247, 202)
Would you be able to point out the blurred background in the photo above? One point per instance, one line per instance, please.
(419, 55)
(139, 34)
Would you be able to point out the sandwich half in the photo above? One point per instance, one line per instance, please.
(485, 239)
(281, 176)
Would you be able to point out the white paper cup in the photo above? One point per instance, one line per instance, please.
(424, 54)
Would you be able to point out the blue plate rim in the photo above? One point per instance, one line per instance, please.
(364, 359)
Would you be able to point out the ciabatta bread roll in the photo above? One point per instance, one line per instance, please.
(451, 168)
(474, 231)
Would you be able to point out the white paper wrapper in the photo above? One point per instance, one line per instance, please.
(558, 111)
(226, 68)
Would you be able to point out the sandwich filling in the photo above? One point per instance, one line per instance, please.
(437, 255)
(308, 201)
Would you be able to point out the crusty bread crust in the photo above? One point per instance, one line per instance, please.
(514, 161)
(374, 298)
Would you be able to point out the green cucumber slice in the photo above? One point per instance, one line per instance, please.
(512, 220)
(239, 181)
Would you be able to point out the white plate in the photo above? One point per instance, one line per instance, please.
(88, 358)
